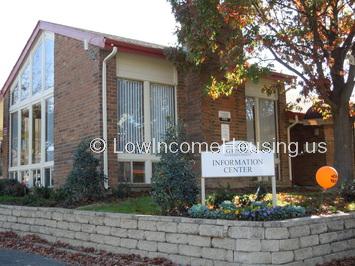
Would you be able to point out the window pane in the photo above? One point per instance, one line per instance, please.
(49, 63)
(49, 141)
(14, 95)
(24, 177)
(25, 82)
(36, 178)
(162, 109)
(36, 133)
(37, 70)
(267, 120)
(25, 117)
(48, 177)
(138, 172)
(250, 118)
(14, 139)
(13, 175)
(124, 171)
(130, 112)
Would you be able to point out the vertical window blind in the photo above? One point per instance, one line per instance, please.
(130, 112)
(162, 109)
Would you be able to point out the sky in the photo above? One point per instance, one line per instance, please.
(150, 21)
(144, 20)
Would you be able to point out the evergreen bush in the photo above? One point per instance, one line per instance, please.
(85, 181)
(174, 184)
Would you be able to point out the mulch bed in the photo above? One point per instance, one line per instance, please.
(343, 262)
(73, 255)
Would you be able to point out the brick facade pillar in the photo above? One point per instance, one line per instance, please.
(77, 102)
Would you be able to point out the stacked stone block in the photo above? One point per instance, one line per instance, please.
(302, 241)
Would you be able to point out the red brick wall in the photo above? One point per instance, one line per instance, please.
(77, 95)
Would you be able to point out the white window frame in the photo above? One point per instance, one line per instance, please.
(257, 125)
(27, 103)
(148, 159)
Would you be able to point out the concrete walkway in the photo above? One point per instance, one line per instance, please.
(10, 257)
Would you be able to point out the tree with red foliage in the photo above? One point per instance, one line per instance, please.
(312, 38)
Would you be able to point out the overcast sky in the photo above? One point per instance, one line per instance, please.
(145, 20)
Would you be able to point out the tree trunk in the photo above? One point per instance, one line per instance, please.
(343, 143)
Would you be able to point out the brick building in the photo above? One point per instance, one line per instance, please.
(310, 127)
(55, 97)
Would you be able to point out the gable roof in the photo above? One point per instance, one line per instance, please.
(102, 40)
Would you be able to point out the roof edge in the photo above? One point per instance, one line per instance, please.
(135, 48)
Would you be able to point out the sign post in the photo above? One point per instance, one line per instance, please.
(234, 163)
(203, 192)
(273, 188)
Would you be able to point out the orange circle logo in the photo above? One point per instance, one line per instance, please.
(327, 177)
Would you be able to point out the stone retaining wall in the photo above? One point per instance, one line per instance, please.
(303, 241)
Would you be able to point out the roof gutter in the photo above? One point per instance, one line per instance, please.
(104, 111)
(134, 48)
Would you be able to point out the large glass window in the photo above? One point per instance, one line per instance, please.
(49, 129)
(37, 73)
(14, 139)
(36, 133)
(25, 136)
(25, 82)
(49, 63)
(32, 117)
(130, 112)
(37, 70)
(262, 123)
(145, 111)
(162, 109)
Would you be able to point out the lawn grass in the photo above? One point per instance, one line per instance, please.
(5, 199)
(139, 205)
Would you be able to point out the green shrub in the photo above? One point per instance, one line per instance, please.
(122, 191)
(174, 184)
(348, 192)
(221, 194)
(42, 192)
(198, 211)
(12, 187)
(84, 182)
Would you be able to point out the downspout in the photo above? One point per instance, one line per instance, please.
(104, 112)
(289, 140)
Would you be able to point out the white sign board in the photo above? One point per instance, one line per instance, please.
(237, 164)
(235, 159)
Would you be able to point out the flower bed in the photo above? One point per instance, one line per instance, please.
(257, 211)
